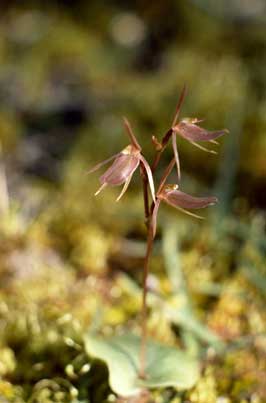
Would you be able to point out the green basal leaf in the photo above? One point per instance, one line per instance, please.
(166, 366)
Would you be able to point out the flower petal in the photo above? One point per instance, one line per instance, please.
(179, 199)
(176, 156)
(102, 163)
(154, 217)
(203, 148)
(124, 188)
(122, 168)
(149, 175)
(193, 132)
(189, 213)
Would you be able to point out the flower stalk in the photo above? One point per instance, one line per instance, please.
(143, 345)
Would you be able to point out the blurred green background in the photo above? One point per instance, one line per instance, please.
(69, 71)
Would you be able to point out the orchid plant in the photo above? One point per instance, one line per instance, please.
(129, 160)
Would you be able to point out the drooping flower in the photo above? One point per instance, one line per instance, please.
(125, 164)
(175, 198)
(190, 130)
(171, 195)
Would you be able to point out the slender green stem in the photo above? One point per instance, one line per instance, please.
(148, 213)
(150, 238)
(143, 346)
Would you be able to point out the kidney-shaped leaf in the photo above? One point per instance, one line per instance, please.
(166, 366)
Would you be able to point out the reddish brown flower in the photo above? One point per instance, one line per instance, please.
(181, 201)
(125, 164)
(189, 130)
(171, 195)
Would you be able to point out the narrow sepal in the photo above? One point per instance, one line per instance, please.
(179, 104)
(149, 175)
(98, 166)
(132, 136)
(189, 213)
(124, 188)
(177, 161)
(100, 189)
(154, 217)
(201, 147)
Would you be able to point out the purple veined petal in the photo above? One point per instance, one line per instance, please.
(102, 163)
(122, 168)
(149, 175)
(193, 132)
(124, 188)
(132, 136)
(179, 199)
(154, 217)
(177, 161)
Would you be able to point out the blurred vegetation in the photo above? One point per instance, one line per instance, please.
(70, 262)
